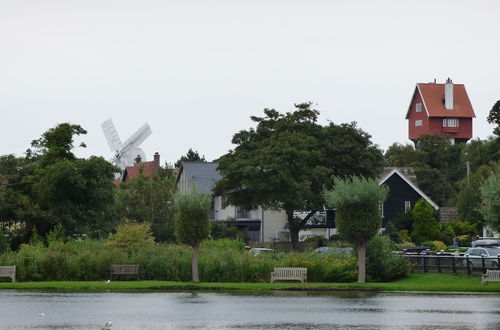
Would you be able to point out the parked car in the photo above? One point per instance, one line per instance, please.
(257, 251)
(489, 253)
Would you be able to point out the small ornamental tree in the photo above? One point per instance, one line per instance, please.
(192, 223)
(490, 194)
(358, 217)
(131, 234)
(425, 223)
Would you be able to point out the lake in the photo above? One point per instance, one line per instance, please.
(280, 310)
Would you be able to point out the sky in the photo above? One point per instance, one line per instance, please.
(197, 70)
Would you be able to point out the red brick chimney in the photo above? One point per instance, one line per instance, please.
(156, 160)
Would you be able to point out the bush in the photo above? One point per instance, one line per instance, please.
(4, 242)
(226, 229)
(131, 234)
(320, 240)
(382, 264)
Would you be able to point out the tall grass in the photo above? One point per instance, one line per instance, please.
(220, 261)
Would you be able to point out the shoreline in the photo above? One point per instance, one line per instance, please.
(431, 283)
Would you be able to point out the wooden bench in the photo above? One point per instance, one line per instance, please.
(8, 271)
(124, 270)
(490, 276)
(289, 273)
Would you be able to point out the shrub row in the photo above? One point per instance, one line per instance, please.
(220, 261)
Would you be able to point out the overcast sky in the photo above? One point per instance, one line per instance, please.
(197, 70)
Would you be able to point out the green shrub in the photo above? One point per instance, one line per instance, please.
(382, 264)
(131, 234)
(4, 242)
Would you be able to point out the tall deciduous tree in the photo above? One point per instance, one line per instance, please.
(490, 193)
(358, 218)
(288, 159)
(52, 186)
(192, 223)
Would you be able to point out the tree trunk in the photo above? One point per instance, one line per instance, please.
(194, 262)
(294, 237)
(361, 262)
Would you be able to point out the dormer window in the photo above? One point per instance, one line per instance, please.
(418, 107)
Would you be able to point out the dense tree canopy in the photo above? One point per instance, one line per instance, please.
(287, 161)
(490, 193)
(52, 186)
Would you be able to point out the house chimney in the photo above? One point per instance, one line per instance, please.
(448, 94)
(156, 158)
(137, 159)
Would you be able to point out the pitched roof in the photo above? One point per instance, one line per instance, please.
(395, 171)
(433, 94)
(147, 168)
(202, 174)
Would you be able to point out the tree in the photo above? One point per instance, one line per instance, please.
(490, 193)
(494, 117)
(425, 224)
(288, 159)
(191, 156)
(398, 155)
(192, 223)
(131, 234)
(52, 186)
(149, 198)
(358, 218)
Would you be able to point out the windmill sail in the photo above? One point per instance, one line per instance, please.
(126, 152)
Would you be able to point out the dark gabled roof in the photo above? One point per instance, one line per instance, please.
(432, 96)
(396, 171)
(202, 174)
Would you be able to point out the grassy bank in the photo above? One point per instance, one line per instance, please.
(415, 282)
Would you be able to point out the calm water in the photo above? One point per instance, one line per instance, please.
(284, 310)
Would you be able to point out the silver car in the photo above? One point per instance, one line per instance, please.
(489, 253)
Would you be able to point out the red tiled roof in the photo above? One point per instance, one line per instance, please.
(433, 94)
(147, 168)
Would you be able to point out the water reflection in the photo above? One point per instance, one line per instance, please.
(279, 310)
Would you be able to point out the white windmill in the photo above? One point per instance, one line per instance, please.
(125, 153)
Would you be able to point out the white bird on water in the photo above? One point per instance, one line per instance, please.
(40, 315)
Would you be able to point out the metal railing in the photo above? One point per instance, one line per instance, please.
(452, 264)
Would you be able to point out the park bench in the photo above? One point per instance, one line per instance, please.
(8, 271)
(124, 270)
(491, 276)
(289, 273)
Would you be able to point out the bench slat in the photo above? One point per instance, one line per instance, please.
(289, 273)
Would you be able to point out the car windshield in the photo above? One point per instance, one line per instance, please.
(493, 251)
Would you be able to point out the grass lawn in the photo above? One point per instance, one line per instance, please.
(415, 282)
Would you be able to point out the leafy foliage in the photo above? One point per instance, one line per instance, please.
(191, 156)
(288, 159)
(357, 202)
(192, 217)
(149, 198)
(381, 264)
(494, 117)
(425, 224)
(132, 235)
(490, 193)
(358, 216)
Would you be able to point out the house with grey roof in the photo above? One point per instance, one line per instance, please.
(261, 225)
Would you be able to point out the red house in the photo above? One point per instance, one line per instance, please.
(440, 109)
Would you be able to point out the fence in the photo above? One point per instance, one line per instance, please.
(453, 264)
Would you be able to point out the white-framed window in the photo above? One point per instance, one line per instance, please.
(418, 107)
(450, 122)
(418, 122)
(407, 206)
